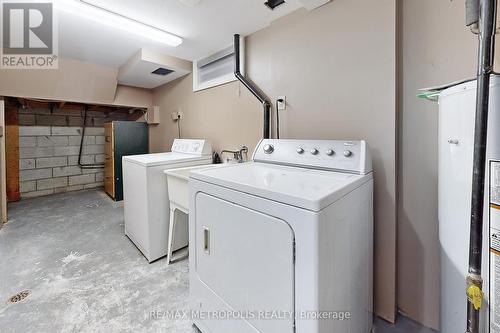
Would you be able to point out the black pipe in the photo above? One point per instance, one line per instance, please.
(86, 166)
(487, 19)
(266, 104)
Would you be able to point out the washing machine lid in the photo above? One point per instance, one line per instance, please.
(305, 188)
(150, 160)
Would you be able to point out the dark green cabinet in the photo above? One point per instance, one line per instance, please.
(123, 138)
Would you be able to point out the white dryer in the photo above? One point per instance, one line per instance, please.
(145, 195)
(284, 243)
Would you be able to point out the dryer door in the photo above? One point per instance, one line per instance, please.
(246, 261)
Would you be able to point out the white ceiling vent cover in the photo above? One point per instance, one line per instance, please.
(147, 69)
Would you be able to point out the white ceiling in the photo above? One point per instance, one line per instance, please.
(205, 28)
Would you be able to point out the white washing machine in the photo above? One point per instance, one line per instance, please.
(145, 195)
(284, 243)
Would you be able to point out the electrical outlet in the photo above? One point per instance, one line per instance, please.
(282, 105)
(180, 114)
(175, 115)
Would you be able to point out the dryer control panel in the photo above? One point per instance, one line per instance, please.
(192, 147)
(336, 155)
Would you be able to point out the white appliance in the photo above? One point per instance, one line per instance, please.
(457, 108)
(145, 195)
(289, 233)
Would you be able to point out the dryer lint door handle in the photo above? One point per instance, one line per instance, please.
(206, 240)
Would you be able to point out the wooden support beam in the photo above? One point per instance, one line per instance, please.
(12, 153)
(63, 105)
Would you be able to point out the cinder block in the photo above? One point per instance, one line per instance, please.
(94, 131)
(99, 177)
(86, 159)
(93, 170)
(50, 162)
(82, 179)
(27, 141)
(93, 185)
(98, 122)
(98, 114)
(87, 140)
(100, 140)
(68, 189)
(66, 151)
(51, 120)
(34, 111)
(37, 193)
(100, 158)
(34, 130)
(67, 112)
(27, 186)
(75, 121)
(35, 174)
(28, 152)
(27, 164)
(27, 119)
(66, 130)
(52, 141)
(93, 149)
(45, 184)
(67, 171)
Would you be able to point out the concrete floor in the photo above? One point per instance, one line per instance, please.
(84, 275)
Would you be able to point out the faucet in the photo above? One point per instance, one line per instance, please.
(238, 154)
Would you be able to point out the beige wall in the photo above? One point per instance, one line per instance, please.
(336, 65)
(74, 81)
(132, 96)
(437, 48)
(228, 115)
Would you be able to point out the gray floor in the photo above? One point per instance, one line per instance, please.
(84, 275)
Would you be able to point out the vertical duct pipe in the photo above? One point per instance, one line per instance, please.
(266, 105)
(487, 20)
(471, 12)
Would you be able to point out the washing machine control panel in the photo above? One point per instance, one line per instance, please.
(339, 155)
(192, 147)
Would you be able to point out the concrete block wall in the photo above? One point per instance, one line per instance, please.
(49, 159)
(49, 144)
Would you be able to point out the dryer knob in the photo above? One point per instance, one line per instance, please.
(268, 149)
(314, 151)
(300, 150)
(347, 153)
(330, 152)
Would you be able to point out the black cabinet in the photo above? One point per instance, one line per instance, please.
(123, 138)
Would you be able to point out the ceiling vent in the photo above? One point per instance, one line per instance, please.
(162, 71)
(274, 3)
(149, 69)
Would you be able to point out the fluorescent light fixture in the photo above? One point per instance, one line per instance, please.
(118, 21)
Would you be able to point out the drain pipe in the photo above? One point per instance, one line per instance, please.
(487, 19)
(80, 164)
(253, 89)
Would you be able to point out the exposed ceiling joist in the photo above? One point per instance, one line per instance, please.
(68, 106)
